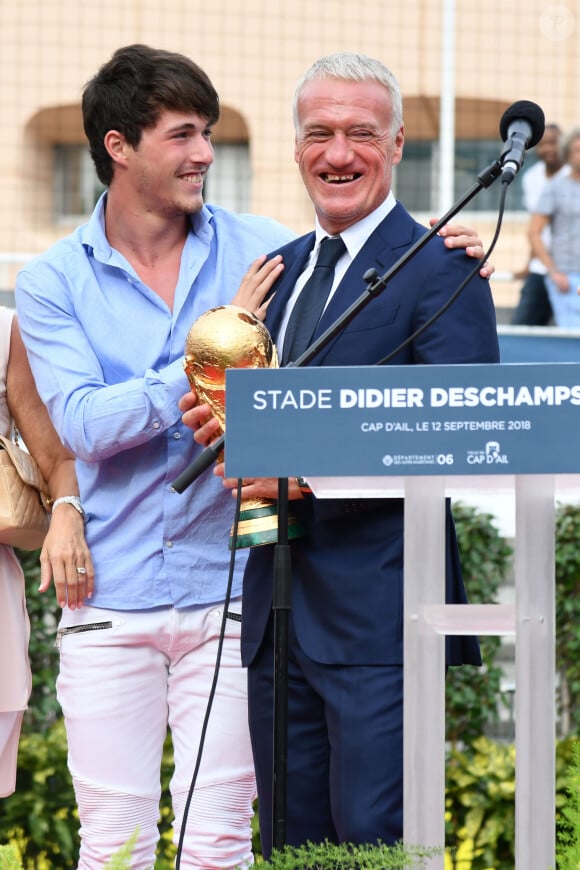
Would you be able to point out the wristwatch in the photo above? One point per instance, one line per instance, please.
(73, 500)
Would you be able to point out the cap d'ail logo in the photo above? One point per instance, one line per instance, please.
(490, 455)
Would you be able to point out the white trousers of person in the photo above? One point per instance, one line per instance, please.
(124, 678)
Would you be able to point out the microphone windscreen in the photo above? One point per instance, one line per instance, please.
(526, 111)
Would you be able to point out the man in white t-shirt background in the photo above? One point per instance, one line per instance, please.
(534, 307)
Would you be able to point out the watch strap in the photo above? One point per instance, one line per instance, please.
(73, 500)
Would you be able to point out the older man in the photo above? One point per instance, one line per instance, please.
(345, 732)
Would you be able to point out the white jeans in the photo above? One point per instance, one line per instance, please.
(121, 682)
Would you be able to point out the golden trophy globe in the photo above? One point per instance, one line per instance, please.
(223, 338)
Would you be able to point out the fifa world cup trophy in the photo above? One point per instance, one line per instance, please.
(232, 337)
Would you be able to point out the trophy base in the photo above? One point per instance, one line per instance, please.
(259, 526)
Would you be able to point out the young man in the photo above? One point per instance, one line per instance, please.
(105, 314)
(345, 714)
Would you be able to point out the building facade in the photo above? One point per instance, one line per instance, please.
(487, 57)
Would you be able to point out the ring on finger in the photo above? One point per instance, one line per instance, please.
(81, 570)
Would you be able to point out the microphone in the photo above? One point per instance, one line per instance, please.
(521, 127)
(198, 466)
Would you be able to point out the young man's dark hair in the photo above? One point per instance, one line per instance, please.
(131, 90)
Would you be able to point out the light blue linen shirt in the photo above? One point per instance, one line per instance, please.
(107, 356)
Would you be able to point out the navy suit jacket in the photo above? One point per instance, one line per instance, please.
(347, 572)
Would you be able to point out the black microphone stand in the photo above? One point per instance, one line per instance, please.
(282, 567)
(281, 606)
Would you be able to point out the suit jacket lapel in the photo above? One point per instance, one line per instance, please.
(381, 251)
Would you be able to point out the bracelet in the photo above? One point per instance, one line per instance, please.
(73, 500)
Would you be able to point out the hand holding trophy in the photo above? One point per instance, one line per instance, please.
(232, 337)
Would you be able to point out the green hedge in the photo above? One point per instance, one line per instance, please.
(480, 807)
(40, 818)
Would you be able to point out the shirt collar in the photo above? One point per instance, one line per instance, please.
(355, 236)
(93, 235)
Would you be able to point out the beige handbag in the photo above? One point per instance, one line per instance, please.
(24, 503)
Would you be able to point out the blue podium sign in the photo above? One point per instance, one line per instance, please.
(403, 420)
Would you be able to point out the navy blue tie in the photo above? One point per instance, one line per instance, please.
(312, 299)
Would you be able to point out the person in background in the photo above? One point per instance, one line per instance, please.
(534, 307)
(65, 557)
(558, 208)
(111, 306)
(345, 692)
